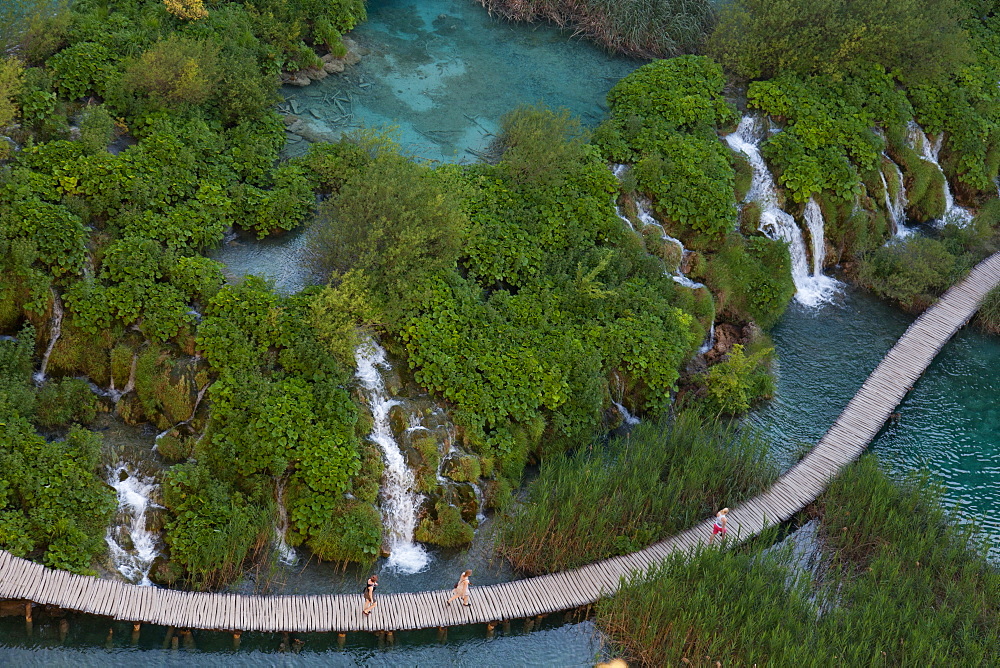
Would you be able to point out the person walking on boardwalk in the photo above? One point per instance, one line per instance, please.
(461, 590)
(719, 526)
(370, 595)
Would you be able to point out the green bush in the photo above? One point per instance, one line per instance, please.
(751, 278)
(910, 271)
(61, 402)
(447, 529)
(739, 381)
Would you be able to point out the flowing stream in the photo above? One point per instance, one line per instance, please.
(812, 288)
(929, 151)
(55, 330)
(132, 547)
(400, 502)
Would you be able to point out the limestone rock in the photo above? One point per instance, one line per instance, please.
(315, 73)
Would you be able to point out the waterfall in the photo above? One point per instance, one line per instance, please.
(55, 329)
(895, 205)
(135, 493)
(286, 553)
(399, 501)
(647, 219)
(709, 340)
(814, 221)
(929, 151)
(627, 417)
(811, 289)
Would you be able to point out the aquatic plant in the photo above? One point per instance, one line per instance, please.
(644, 28)
(605, 500)
(902, 584)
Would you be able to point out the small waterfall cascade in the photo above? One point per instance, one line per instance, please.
(930, 151)
(132, 547)
(811, 289)
(286, 553)
(709, 340)
(400, 502)
(895, 205)
(646, 218)
(55, 330)
(814, 221)
(618, 388)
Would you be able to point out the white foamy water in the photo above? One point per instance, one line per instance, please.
(400, 502)
(135, 494)
(930, 151)
(286, 553)
(895, 205)
(55, 330)
(811, 288)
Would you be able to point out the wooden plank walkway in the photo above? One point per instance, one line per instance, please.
(803, 483)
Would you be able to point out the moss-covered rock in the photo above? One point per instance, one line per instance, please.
(446, 528)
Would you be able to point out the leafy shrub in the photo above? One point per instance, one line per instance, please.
(96, 128)
(751, 278)
(82, 68)
(909, 271)
(447, 529)
(739, 381)
(61, 402)
(175, 72)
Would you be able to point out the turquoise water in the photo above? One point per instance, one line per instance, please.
(949, 424)
(443, 72)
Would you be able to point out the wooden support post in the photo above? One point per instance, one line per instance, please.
(135, 633)
(236, 640)
(28, 625)
(489, 629)
(529, 623)
(109, 642)
(63, 629)
(174, 643)
(341, 640)
(506, 627)
(188, 639)
(442, 634)
(390, 637)
(169, 637)
(284, 646)
(568, 617)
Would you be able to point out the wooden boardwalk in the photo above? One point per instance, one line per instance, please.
(800, 485)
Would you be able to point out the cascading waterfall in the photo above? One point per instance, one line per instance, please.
(286, 553)
(930, 151)
(55, 330)
(895, 205)
(647, 219)
(811, 289)
(814, 221)
(135, 494)
(709, 340)
(399, 501)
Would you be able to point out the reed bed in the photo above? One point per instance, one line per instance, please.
(614, 499)
(641, 28)
(903, 585)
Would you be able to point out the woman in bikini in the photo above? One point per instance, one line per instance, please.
(370, 595)
(719, 526)
(461, 590)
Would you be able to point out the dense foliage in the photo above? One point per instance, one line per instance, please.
(53, 505)
(903, 585)
(664, 119)
(606, 500)
(547, 297)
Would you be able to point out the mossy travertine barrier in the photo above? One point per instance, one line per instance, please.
(525, 599)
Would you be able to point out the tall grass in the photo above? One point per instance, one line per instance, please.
(643, 28)
(904, 586)
(611, 500)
